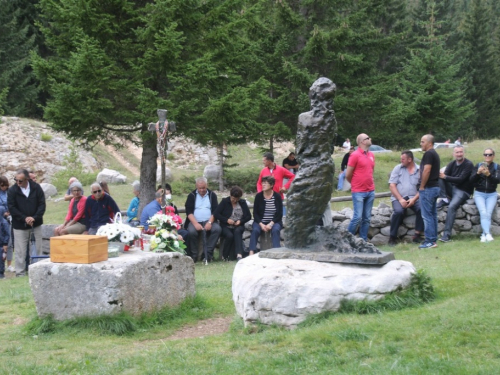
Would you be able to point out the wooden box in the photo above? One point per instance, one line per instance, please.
(74, 248)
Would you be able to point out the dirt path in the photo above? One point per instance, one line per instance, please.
(118, 156)
(209, 327)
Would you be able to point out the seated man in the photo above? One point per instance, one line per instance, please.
(267, 214)
(100, 209)
(201, 204)
(454, 182)
(151, 208)
(403, 185)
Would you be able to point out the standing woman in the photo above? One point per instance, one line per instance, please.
(4, 186)
(232, 213)
(267, 214)
(75, 219)
(485, 177)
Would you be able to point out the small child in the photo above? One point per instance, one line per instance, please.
(4, 240)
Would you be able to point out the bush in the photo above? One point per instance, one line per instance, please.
(73, 168)
(247, 179)
(46, 137)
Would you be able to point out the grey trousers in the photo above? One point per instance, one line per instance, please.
(21, 241)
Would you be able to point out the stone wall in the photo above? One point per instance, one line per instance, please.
(467, 222)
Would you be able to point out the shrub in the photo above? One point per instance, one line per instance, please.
(247, 179)
(73, 168)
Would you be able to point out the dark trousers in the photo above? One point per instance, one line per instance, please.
(233, 241)
(458, 197)
(212, 238)
(398, 215)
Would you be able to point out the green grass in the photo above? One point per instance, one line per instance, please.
(457, 333)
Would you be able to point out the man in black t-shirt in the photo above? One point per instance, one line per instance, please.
(429, 190)
(291, 163)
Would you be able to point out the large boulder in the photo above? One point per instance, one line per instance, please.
(212, 173)
(286, 291)
(111, 176)
(48, 189)
(136, 282)
(169, 177)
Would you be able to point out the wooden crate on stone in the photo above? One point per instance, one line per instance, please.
(83, 249)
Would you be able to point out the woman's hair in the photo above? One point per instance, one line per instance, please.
(492, 151)
(167, 187)
(269, 179)
(77, 185)
(236, 192)
(4, 181)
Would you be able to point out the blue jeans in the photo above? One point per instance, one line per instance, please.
(428, 198)
(362, 204)
(256, 230)
(340, 185)
(485, 203)
(458, 197)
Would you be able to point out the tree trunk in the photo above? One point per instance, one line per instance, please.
(148, 168)
(271, 144)
(220, 151)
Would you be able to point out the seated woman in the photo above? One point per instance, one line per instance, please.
(485, 177)
(133, 208)
(267, 214)
(75, 219)
(232, 213)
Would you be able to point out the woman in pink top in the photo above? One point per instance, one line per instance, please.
(75, 219)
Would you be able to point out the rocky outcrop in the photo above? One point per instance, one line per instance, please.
(111, 176)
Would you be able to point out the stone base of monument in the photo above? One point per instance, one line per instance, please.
(135, 282)
(286, 291)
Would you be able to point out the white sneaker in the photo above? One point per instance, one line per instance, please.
(483, 238)
(11, 269)
(489, 238)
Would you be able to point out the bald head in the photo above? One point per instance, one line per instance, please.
(427, 142)
(364, 141)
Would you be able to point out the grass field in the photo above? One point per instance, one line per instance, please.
(458, 333)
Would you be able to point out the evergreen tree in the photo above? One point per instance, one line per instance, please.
(16, 78)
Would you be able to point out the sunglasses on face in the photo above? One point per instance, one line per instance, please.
(19, 181)
(96, 191)
(487, 154)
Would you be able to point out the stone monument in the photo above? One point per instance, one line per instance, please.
(320, 266)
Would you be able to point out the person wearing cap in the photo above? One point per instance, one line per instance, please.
(74, 222)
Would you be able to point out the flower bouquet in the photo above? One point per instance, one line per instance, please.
(118, 232)
(165, 238)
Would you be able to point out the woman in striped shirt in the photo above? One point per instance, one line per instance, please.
(267, 214)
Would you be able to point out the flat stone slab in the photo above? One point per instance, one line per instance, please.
(328, 256)
(135, 282)
(286, 291)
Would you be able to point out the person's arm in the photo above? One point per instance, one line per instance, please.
(219, 212)
(88, 212)
(259, 182)
(394, 190)
(258, 207)
(348, 173)
(425, 175)
(132, 208)
(246, 212)
(278, 215)
(290, 176)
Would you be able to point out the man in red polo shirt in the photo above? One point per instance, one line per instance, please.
(360, 174)
(278, 172)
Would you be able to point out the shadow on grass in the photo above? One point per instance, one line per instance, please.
(191, 309)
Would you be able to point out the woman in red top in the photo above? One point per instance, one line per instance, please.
(75, 219)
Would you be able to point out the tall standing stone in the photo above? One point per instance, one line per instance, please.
(312, 187)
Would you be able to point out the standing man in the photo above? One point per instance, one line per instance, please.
(291, 163)
(279, 173)
(403, 186)
(200, 207)
(429, 190)
(26, 202)
(454, 182)
(360, 174)
(100, 209)
(346, 145)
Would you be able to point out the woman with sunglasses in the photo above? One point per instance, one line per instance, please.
(485, 177)
(75, 219)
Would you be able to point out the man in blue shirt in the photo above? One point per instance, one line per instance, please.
(151, 208)
(200, 207)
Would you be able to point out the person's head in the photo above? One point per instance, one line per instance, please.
(267, 183)
(347, 139)
(489, 155)
(291, 156)
(137, 189)
(71, 180)
(22, 178)
(32, 176)
(201, 186)
(4, 183)
(268, 160)
(168, 188)
(351, 149)
(235, 194)
(427, 142)
(364, 141)
(158, 195)
(96, 190)
(406, 158)
(459, 138)
(105, 186)
(76, 189)
(458, 153)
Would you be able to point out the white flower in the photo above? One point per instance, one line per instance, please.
(165, 234)
(176, 243)
(157, 240)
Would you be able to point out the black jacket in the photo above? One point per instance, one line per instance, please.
(191, 200)
(459, 175)
(259, 207)
(225, 210)
(21, 207)
(485, 184)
